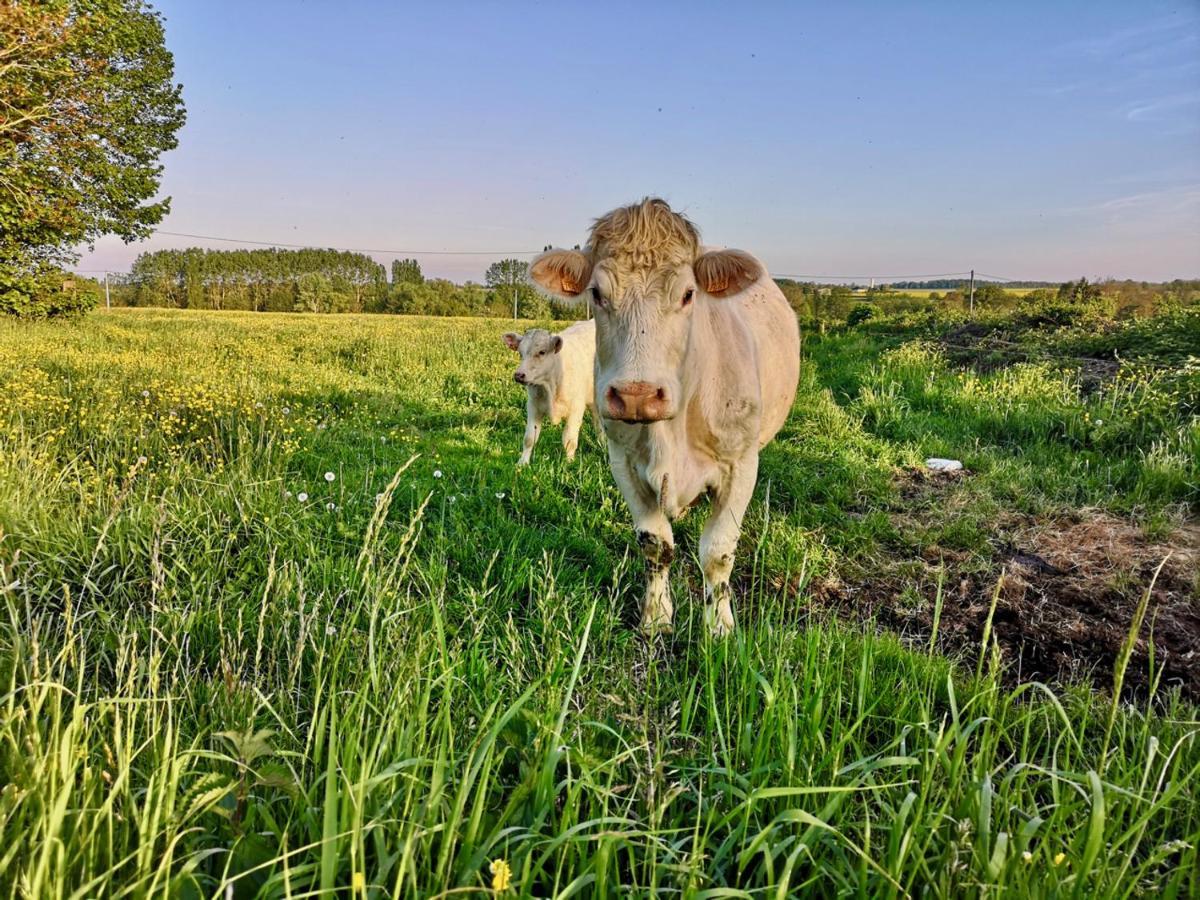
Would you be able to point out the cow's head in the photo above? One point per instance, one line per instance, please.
(644, 274)
(539, 355)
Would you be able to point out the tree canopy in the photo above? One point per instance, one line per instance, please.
(87, 107)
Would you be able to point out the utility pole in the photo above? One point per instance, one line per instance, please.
(972, 292)
(107, 298)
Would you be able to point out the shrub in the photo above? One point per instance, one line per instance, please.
(49, 294)
(859, 314)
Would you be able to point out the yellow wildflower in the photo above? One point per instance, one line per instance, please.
(358, 882)
(1059, 859)
(501, 875)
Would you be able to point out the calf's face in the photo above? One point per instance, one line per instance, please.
(539, 351)
(644, 320)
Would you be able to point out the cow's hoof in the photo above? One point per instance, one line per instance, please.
(653, 628)
(719, 621)
(522, 461)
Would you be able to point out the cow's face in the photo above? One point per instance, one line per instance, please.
(644, 318)
(539, 354)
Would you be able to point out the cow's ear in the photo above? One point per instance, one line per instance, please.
(723, 273)
(512, 340)
(561, 273)
(557, 343)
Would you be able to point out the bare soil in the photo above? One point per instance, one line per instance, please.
(1066, 593)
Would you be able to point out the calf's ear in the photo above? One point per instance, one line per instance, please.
(561, 273)
(723, 273)
(512, 340)
(557, 343)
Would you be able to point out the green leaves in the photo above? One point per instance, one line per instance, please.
(89, 108)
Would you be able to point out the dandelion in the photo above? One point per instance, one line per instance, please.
(286, 411)
(330, 630)
(302, 497)
(501, 875)
(1027, 856)
(331, 506)
(141, 460)
(499, 495)
(329, 476)
(437, 473)
(1060, 858)
(383, 440)
(146, 394)
(258, 404)
(287, 494)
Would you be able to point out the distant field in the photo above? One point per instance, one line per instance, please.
(282, 618)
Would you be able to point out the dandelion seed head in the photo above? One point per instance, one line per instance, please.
(302, 496)
(437, 473)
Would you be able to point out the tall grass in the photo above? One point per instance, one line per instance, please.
(211, 687)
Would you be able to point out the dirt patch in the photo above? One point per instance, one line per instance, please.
(1068, 590)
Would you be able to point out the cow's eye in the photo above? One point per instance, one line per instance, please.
(596, 298)
(541, 353)
(687, 296)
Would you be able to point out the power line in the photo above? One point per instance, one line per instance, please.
(209, 237)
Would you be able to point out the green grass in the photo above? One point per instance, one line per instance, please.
(430, 663)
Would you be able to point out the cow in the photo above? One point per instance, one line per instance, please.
(557, 372)
(697, 363)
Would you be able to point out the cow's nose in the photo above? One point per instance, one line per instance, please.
(637, 401)
(519, 377)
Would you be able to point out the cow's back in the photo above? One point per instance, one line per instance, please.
(777, 336)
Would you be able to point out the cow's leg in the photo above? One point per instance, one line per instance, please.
(570, 437)
(533, 429)
(657, 544)
(719, 540)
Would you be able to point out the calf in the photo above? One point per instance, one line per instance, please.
(556, 370)
(697, 362)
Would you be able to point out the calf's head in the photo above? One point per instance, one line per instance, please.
(644, 275)
(539, 355)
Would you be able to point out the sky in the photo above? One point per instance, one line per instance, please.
(1028, 140)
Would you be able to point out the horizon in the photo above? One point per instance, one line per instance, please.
(1041, 144)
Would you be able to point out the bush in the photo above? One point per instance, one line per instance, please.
(859, 314)
(50, 294)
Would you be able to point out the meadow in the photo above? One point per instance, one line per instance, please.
(281, 618)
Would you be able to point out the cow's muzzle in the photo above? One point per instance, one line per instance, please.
(519, 377)
(637, 401)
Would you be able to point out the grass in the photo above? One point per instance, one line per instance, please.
(282, 619)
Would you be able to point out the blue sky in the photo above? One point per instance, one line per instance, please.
(1028, 140)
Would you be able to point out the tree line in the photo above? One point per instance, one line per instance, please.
(326, 281)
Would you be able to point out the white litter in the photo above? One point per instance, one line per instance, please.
(943, 465)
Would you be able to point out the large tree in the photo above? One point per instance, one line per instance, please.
(87, 107)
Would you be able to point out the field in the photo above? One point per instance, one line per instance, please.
(281, 618)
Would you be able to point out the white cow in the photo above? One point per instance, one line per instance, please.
(697, 362)
(557, 371)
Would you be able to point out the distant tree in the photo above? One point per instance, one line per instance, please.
(406, 271)
(87, 108)
(1080, 291)
(509, 280)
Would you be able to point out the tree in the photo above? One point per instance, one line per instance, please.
(406, 271)
(88, 107)
(509, 281)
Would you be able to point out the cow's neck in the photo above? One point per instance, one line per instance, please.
(553, 385)
(682, 449)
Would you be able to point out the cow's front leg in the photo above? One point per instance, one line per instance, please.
(719, 540)
(657, 544)
(570, 437)
(533, 429)
(658, 549)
